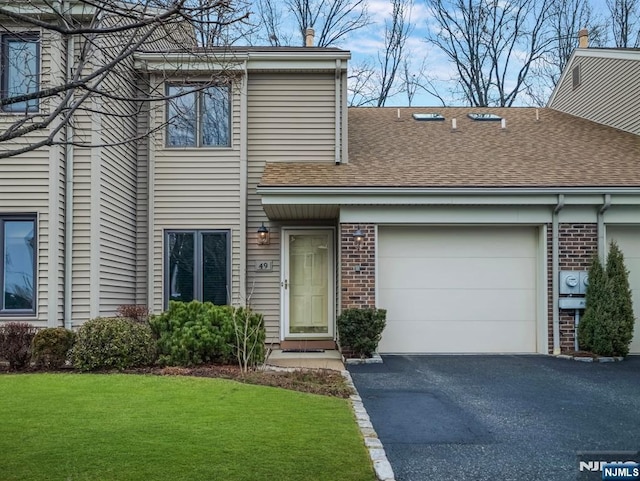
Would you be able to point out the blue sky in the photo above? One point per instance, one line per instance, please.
(365, 44)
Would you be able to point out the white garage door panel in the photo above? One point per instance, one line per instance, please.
(458, 273)
(458, 289)
(471, 337)
(628, 238)
(451, 241)
(454, 305)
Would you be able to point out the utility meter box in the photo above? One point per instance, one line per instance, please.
(573, 282)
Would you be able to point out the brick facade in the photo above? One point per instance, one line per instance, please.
(578, 243)
(357, 266)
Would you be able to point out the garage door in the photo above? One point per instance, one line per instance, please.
(628, 238)
(458, 289)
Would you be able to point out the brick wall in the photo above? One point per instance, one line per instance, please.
(357, 267)
(578, 244)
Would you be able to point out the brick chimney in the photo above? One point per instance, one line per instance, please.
(308, 37)
(583, 38)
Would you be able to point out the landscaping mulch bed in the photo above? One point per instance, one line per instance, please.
(315, 381)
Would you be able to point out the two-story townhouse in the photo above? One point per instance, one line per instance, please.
(97, 220)
(252, 182)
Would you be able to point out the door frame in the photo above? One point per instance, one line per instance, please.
(331, 281)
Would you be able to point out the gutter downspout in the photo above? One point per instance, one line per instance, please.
(338, 115)
(555, 273)
(602, 244)
(68, 196)
(244, 180)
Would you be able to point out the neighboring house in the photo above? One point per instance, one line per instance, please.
(601, 84)
(264, 188)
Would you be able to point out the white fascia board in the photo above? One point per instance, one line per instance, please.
(46, 10)
(186, 62)
(418, 196)
(202, 61)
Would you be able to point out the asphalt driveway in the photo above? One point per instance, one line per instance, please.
(498, 417)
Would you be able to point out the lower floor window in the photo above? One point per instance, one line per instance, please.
(197, 266)
(17, 264)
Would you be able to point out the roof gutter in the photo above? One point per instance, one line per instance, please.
(555, 272)
(405, 191)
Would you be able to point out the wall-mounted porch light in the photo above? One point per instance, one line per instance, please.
(358, 236)
(263, 235)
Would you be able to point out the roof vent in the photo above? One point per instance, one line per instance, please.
(427, 117)
(484, 116)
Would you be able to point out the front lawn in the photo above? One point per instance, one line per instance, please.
(88, 427)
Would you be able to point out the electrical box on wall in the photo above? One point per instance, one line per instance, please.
(574, 282)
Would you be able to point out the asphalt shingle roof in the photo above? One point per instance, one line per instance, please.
(555, 150)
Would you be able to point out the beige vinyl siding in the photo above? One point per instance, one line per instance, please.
(608, 92)
(118, 187)
(291, 117)
(196, 188)
(25, 184)
(142, 201)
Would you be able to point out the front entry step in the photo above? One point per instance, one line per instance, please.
(307, 346)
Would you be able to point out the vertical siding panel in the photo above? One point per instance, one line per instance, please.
(291, 117)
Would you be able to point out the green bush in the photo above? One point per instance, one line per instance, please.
(360, 330)
(51, 346)
(15, 343)
(194, 333)
(621, 303)
(113, 343)
(607, 326)
(596, 299)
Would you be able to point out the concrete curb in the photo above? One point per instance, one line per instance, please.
(590, 359)
(381, 464)
(375, 359)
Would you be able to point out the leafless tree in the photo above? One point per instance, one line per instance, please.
(332, 20)
(397, 29)
(491, 44)
(566, 19)
(95, 75)
(625, 22)
(361, 84)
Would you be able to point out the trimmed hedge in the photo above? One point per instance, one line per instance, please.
(51, 346)
(15, 343)
(360, 330)
(113, 343)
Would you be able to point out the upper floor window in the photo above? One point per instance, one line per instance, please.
(19, 66)
(17, 265)
(198, 116)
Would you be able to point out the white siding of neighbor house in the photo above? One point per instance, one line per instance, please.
(194, 188)
(608, 92)
(291, 118)
(29, 186)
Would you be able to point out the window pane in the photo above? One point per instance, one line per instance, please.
(19, 261)
(21, 72)
(181, 129)
(181, 262)
(214, 268)
(215, 116)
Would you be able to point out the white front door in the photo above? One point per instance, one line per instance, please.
(307, 283)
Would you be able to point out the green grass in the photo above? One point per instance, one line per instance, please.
(72, 427)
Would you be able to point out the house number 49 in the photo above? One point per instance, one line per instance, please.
(264, 266)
